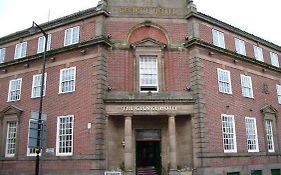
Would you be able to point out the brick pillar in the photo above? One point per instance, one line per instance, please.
(172, 146)
(128, 146)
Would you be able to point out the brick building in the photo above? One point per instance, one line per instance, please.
(137, 84)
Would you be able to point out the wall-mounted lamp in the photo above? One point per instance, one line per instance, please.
(83, 52)
(211, 53)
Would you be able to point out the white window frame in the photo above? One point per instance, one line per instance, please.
(240, 46)
(148, 73)
(74, 37)
(7, 154)
(61, 82)
(2, 54)
(218, 38)
(228, 130)
(10, 89)
(252, 132)
(274, 59)
(58, 140)
(33, 95)
(245, 86)
(20, 50)
(278, 88)
(258, 53)
(41, 43)
(269, 135)
(222, 81)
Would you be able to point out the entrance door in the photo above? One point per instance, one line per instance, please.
(148, 154)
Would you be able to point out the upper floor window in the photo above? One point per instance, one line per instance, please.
(258, 53)
(229, 134)
(218, 38)
(224, 81)
(64, 146)
(71, 36)
(148, 73)
(274, 59)
(2, 55)
(246, 85)
(20, 50)
(278, 87)
(251, 134)
(240, 46)
(11, 139)
(269, 135)
(67, 80)
(36, 85)
(14, 90)
(41, 43)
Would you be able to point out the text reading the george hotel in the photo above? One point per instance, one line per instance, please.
(149, 108)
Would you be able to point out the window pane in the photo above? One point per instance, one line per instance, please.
(251, 133)
(229, 135)
(148, 73)
(65, 135)
(11, 139)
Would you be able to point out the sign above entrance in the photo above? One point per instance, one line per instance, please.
(149, 108)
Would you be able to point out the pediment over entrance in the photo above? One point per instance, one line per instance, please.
(268, 109)
(148, 42)
(11, 110)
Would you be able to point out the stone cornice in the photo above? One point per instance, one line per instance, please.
(55, 23)
(230, 53)
(97, 40)
(231, 155)
(233, 29)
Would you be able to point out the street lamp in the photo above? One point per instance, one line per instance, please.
(40, 124)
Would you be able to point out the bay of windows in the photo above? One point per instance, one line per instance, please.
(258, 53)
(2, 55)
(20, 50)
(36, 85)
(148, 73)
(14, 90)
(229, 134)
(41, 43)
(224, 81)
(71, 36)
(64, 145)
(11, 139)
(67, 80)
(218, 38)
(246, 84)
(251, 134)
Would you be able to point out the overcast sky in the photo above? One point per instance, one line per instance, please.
(258, 17)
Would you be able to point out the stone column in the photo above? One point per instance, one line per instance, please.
(128, 146)
(172, 146)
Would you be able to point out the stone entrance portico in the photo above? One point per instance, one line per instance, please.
(173, 120)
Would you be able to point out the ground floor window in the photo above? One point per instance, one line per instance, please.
(256, 172)
(275, 172)
(233, 173)
(11, 139)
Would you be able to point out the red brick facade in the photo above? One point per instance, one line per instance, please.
(108, 80)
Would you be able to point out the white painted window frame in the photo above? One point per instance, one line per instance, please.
(224, 129)
(10, 89)
(244, 86)
(20, 50)
(154, 57)
(2, 55)
(221, 73)
(258, 53)
(240, 46)
(274, 59)
(57, 137)
(61, 81)
(8, 137)
(278, 89)
(255, 133)
(218, 38)
(34, 82)
(74, 35)
(41, 43)
(269, 135)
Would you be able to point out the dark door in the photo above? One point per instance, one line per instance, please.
(148, 154)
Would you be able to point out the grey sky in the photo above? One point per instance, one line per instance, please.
(254, 16)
